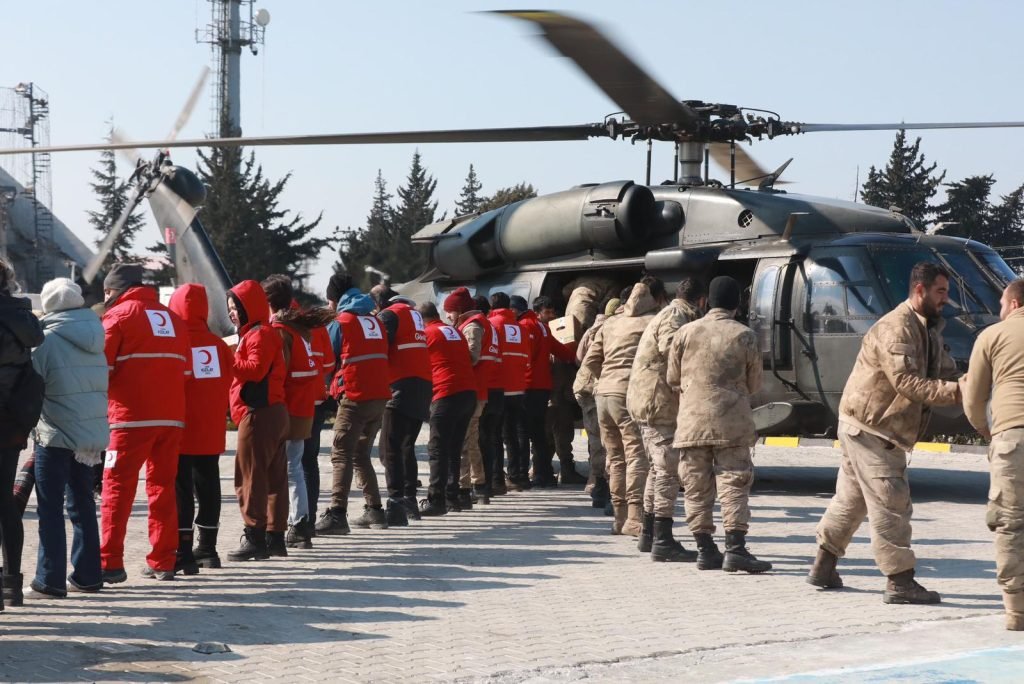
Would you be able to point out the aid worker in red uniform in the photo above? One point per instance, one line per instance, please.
(454, 401)
(515, 366)
(482, 338)
(409, 406)
(258, 409)
(147, 350)
(362, 389)
(208, 380)
(538, 382)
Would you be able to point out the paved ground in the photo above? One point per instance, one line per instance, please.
(532, 588)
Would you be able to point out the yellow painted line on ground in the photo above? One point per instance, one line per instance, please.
(937, 447)
(782, 441)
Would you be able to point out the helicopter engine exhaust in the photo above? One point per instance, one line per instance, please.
(606, 217)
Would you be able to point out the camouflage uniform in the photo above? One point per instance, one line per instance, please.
(583, 391)
(584, 296)
(881, 415)
(654, 405)
(610, 360)
(716, 366)
(997, 371)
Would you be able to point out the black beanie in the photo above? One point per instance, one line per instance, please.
(123, 276)
(518, 304)
(724, 293)
(339, 284)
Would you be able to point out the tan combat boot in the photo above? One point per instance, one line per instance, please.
(619, 511)
(634, 521)
(823, 573)
(1014, 611)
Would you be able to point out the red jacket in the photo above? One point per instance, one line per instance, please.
(364, 374)
(147, 351)
(324, 354)
(488, 366)
(451, 366)
(208, 378)
(407, 354)
(302, 384)
(259, 358)
(515, 350)
(542, 347)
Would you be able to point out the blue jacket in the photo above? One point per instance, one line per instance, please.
(72, 362)
(353, 301)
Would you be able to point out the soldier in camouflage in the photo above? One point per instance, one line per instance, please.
(715, 365)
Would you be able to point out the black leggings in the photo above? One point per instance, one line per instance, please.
(311, 454)
(198, 476)
(12, 533)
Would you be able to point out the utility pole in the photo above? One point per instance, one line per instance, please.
(234, 25)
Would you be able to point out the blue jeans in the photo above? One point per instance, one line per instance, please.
(58, 472)
(298, 497)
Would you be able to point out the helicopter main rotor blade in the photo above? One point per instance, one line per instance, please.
(642, 98)
(747, 167)
(464, 135)
(94, 266)
(190, 104)
(817, 128)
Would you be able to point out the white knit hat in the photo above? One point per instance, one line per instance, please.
(61, 294)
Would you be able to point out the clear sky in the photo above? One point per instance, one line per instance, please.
(387, 65)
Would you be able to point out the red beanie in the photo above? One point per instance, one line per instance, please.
(459, 301)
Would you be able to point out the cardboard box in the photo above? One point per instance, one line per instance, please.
(566, 329)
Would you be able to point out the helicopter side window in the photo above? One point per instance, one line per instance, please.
(842, 297)
(894, 266)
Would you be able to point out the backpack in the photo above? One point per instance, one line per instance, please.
(25, 404)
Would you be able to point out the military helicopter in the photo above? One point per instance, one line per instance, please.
(818, 272)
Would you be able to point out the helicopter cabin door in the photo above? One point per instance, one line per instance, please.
(770, 312)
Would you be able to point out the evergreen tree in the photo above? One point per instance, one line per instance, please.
(505, 196)
(905, 182)
(1006, 227)
(415, 209)
(252, 233)
(967, 208)
(469, 200)
(112, 193)
(369, 244)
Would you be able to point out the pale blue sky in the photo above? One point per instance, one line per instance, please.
(390, 65)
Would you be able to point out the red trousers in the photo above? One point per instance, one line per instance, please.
(130, 449)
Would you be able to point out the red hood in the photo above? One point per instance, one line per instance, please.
(140, 293)
(528, 315)
(506, 315)
(250, 295)
(190, 303)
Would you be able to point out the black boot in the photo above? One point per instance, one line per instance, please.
(253, 546)
(397, 514)
(646, 538)
(483, 497)
(665, 548)
(708, 555)
(12, 590)
(432, 508)
(300, 535)
(600, 494)
(465, 502)
(901, 588)
(412, 508)
(184, 560)
(276, 545)
(567, 475)
(738, 558)
(333, 522)
(823, 573)
(499, 487)
(205, 551)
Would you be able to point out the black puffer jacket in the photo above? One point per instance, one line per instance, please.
(19, 333)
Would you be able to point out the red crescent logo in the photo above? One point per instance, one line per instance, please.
(208, 357)
(161, 317)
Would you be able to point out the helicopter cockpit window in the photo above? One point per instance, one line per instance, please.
(999, 268)
(894, 266)
(842, 296)
(979, 285)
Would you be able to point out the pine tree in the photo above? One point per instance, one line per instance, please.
(905, 182)
(967, 208)
(112, 193)
(1006, 227)
(470, 199)
(504, 196)
(415, 209)
(369, 244)
(252, 233)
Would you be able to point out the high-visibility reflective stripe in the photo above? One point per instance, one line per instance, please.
(491, 358)
(188, 372)
(147, 423)
(304, 374)
(150, 355)
(514, 394)
(316, 353)
(525, 356)
(412, 345)
(364, 357)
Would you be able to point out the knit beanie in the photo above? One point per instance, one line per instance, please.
(724, 293)
(61, 294)
(613, 304)
(459, 301)
(123, 276)
(518, 304)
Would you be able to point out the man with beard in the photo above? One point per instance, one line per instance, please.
(901, 370)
